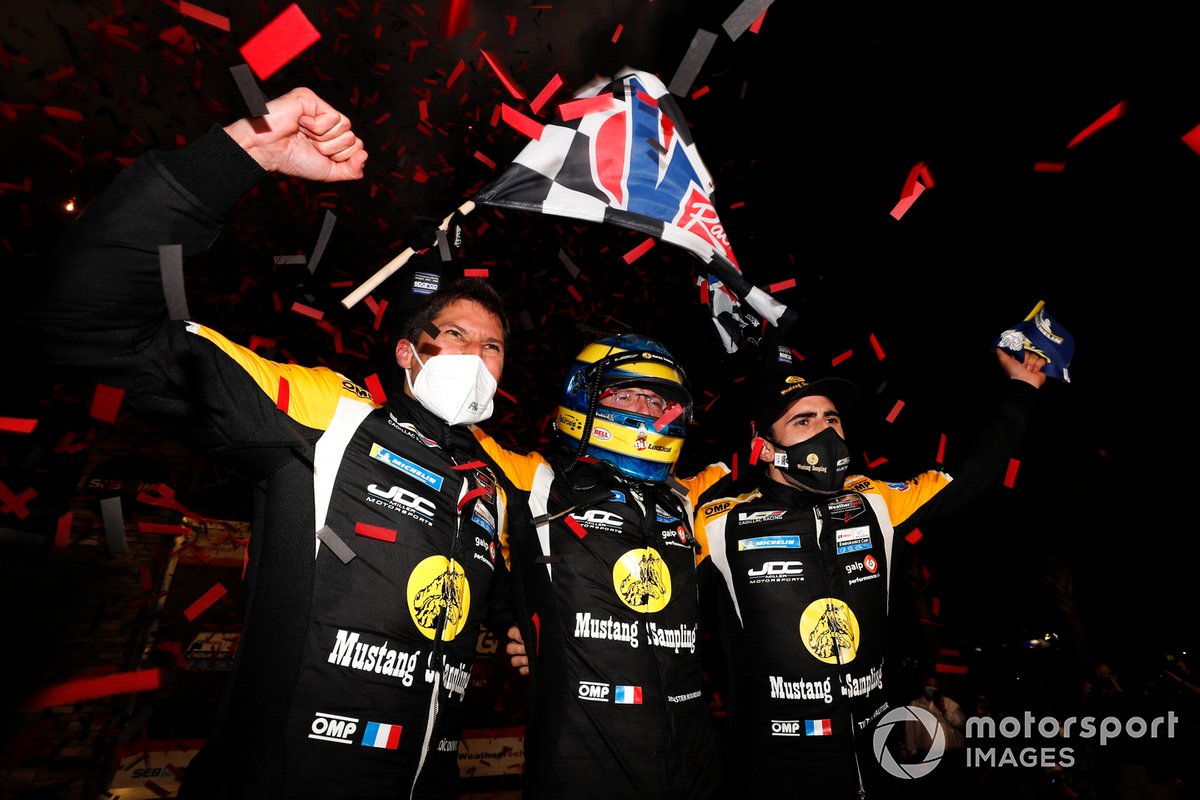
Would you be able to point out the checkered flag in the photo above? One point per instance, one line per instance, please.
(622, 154)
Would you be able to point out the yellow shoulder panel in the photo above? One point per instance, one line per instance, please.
(312, 393)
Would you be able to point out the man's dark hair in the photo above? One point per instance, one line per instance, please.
(474, 289)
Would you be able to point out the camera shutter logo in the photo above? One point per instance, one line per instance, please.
(907, 714)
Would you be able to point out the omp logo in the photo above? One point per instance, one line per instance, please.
(350, 386)
(717, 508)
(785, 727)
(332, 728)
(404, 499)
(598, 518)
(910, 769)
(594, 691)
(759, 516)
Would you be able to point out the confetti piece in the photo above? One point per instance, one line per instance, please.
(697, 52)
(901, 208)
(617, 33)
(458, 17)
(502, 73)
(746, 14)
(163, 528)
(284, 38)
(480, 157)
(71, 692)
(935, 606)
(203, 603)
(733, 467)
(839, 359)
(756, 447)
(62, 533)
(877, 347)
(334, 542)
(114, 524)
(375, 387)
(1110, 116)
(574, 525)
(914, 536)
(283, 397)
(574, 109)
(170, 265)
(322, 240)
(1060, 166)
(425, 324)
(895, 412)
(475, 273)
(872, 464)
(941, 451)
(307, 311)
(506, 395)
(203, 15)
(566, 261)
(520, 123)
(17, 424)
(12, 503)
(779, 287)
(71, 114)
(106, 402)
(1191, 139)
(375, 532)
(296, 259)
(546, 93)
(639, 251)
(574, 293)
(949, 669)
(669, 414)
(1010, 477)
(251, 92)
(458, 70)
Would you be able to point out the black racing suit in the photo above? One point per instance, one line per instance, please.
(804, 583)
(353, 660)
(607, 603)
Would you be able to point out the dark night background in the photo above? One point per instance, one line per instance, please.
(810, 128)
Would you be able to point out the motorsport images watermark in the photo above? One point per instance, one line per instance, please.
(1035, 741)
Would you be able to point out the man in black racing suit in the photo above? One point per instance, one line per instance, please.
(802, 565)
(374, 556)
(605, 587)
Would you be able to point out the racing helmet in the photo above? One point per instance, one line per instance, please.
(628, 441)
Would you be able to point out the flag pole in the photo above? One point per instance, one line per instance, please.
(399, 261)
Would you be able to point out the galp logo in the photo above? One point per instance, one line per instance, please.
(908, 714)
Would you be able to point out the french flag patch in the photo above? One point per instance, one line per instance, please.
(382, 735)
(629, 695)
(817, 727)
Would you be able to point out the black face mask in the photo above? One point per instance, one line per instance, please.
(819, 464)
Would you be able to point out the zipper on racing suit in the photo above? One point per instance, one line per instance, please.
(829, 564)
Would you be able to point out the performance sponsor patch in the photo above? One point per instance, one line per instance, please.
(851, 540)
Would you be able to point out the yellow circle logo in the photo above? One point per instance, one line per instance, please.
(438, 589)
(830, 631)
(642, 580)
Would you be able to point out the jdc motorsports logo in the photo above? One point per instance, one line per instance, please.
(1025, 741)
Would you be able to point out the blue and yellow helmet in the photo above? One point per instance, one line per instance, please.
(628, 441)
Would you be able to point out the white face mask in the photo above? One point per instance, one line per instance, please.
(458, 388)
